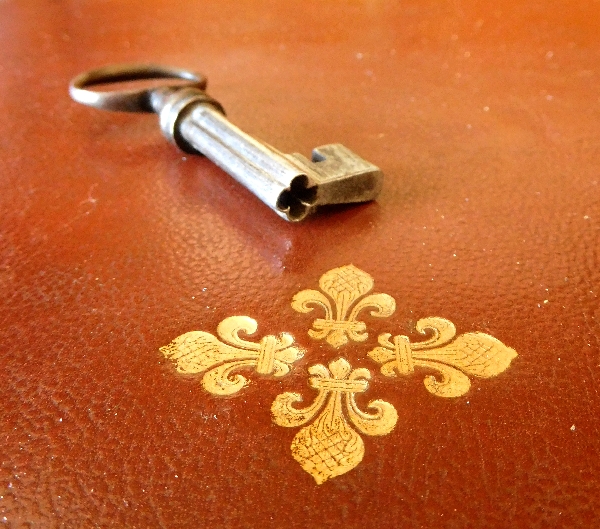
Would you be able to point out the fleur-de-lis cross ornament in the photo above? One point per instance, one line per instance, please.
(329, 443)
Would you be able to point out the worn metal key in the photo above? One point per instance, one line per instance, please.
(289, 184)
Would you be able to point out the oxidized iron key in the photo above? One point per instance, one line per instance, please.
(289, 184)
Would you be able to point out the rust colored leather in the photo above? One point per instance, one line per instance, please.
(484, 117)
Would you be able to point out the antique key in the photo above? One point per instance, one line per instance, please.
(289, 184)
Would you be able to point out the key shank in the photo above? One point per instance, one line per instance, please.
(290, 184)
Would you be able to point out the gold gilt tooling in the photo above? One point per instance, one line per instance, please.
(329, 446)
(198, 352)
(329, 443)
(476, 354)
(345, 286)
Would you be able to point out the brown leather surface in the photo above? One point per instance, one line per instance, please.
(484, 117)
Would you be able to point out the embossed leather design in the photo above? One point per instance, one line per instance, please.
(484, 118)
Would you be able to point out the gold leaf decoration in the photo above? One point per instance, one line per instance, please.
(199, 351)
(476, 354)
(329, 446)
(329, 441)
(344, 286)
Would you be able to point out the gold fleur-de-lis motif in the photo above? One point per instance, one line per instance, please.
(345, 286)
(198, 352)
(476, 354)
(329, 446)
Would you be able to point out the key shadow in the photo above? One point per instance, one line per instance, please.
(282, 244)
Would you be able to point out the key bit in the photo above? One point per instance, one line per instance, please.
(290, 184)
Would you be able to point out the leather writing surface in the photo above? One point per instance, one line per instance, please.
(484, 120)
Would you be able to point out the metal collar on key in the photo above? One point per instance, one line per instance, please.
(290, 184)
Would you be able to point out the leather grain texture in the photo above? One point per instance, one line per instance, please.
(484, 117)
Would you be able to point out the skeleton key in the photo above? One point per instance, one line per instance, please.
(290, 184)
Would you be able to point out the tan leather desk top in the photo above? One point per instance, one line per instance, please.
(484, 117)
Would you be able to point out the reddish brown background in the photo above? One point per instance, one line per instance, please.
(485, 118)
